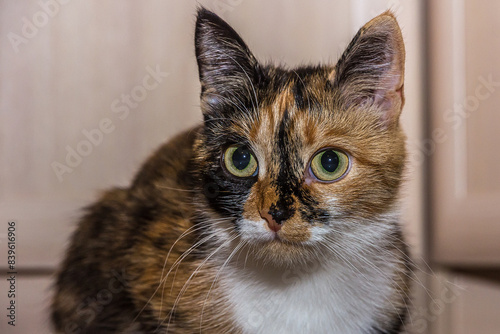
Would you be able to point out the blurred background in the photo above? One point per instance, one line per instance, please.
(89, 88)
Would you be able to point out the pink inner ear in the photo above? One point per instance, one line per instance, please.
(389, 106)
(390, 96)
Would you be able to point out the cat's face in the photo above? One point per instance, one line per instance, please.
(301, 160)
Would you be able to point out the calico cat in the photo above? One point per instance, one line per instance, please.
(278, 214)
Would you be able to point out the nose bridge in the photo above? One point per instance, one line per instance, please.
(277, 202)
(268, 195)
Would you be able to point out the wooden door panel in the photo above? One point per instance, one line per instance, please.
(465, 95)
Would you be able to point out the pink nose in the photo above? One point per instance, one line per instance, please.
(273, 225)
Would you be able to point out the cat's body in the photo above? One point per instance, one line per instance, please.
(258, 242)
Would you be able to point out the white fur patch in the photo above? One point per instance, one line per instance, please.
(334, 297)
(326, 301)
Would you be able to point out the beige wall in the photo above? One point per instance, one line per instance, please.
(463, 81)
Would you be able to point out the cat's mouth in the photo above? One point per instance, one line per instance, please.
(281, 238)
(276, 238)
(292, 233)
(292, 244)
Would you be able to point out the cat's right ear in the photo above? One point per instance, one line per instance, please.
(226, 67)
(371, 69)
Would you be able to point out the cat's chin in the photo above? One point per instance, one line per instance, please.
(278, 252)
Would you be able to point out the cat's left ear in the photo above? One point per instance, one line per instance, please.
(226, 67)
(371, 69)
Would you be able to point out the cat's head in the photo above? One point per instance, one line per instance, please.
(293, 162)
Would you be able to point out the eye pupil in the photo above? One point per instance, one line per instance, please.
(241, 158)
(330, 161)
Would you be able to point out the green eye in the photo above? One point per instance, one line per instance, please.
(240, 161)
(330, 165)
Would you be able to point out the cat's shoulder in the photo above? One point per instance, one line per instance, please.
(169, 162)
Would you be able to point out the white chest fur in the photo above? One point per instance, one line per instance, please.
(337, 299)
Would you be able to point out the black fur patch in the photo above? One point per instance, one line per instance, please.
(302, 77)
(286, 183)
(226, 194)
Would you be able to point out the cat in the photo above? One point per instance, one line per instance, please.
(278, 214)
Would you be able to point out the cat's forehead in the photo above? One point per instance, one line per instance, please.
(304, 87)
(295, 105)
